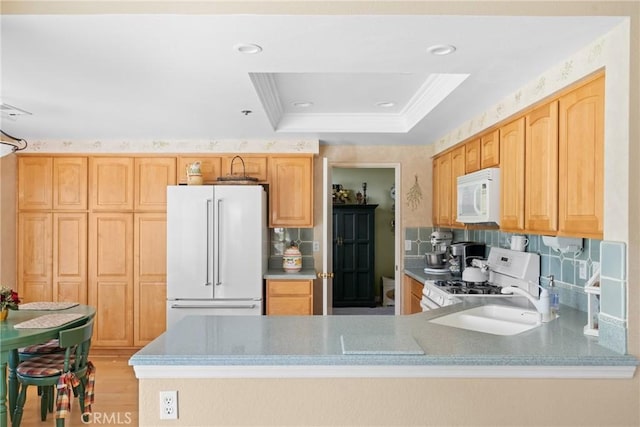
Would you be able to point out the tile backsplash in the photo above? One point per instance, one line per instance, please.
(280, 240)
(571, 271)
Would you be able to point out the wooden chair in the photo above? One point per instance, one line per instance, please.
(71, 370)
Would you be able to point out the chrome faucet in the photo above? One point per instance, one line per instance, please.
(541, 304)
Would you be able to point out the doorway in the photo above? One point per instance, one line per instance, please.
(375, 184)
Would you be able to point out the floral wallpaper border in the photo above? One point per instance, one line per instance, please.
(581, 64)
(311, 146)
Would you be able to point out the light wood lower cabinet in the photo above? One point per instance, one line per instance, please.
(111, 278)
(289, 297)
(412, 295)
(149, 276)
(70, 257)
(52, 256)
(34, 256)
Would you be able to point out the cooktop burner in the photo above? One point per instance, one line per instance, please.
(468, 288)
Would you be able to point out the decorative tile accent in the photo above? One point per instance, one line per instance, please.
(613, 298)
(613, 260)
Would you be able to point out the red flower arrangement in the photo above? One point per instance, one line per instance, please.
(9, 299)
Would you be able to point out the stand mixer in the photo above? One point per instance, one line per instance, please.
(437, 260)
(441, 240)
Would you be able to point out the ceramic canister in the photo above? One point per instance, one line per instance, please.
(292, 259)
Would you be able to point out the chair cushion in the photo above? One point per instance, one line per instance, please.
(42, 366)
(51, 346)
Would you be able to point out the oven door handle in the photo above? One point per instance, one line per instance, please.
(428, 303)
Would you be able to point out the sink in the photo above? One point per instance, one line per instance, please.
(492, 319)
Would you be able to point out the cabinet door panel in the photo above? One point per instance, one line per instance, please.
(150, 273)
(490, 150)
(291, 191)
(110, 277)
(34, 256)
(444, 189)
(472, 156)
(581, 161)
(457, 169)
(541, 204)
(290, 306)
(152, 175)
(512, 148)
(70, 257)
(35, 187)
(111, 183)
(70, 183)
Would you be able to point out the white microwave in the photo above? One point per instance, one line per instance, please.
(479, 197)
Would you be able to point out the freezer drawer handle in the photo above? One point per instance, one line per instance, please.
(213, 306)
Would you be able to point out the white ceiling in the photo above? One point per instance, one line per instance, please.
(179, 77)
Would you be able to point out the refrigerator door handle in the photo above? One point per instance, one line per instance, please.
(213, 306)
(208, 237)
(217, 249)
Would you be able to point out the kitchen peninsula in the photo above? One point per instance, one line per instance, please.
(304, 363)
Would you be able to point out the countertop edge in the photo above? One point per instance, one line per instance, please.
(384, 371)
(279, 274)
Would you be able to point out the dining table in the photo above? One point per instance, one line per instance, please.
(13, 338)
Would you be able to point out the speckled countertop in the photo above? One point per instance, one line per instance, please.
(384, 345)
(317, 341)
(279, 273)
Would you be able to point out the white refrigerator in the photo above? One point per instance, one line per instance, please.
(217, 250)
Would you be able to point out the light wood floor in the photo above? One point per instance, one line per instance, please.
(116, 397)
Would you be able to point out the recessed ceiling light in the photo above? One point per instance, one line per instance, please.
(385, 104)
(302, 104)
(441, 49)
(248, 49)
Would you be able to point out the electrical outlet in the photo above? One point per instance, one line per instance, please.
(169, 405)
(316, 246)
(582, 269)
(407, 245)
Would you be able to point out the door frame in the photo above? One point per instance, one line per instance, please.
(327, 212)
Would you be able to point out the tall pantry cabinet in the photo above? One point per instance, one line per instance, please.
(93, 230)
(52, 228)
(127, 247)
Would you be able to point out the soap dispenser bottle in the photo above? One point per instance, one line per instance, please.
(554, 298)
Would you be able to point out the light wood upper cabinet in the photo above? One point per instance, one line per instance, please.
(254, 166)
(472, 156)
(435, 203)
(289, 297)
(149, 276)
(458, 167)
(70, 183)
(70, 257)
(35, 186)
(111, 183)
(512, 149)
(490, 150)
(541, 170)
(444, 168)
(34, 256)
(581, 161)
(152, 175)
(209, 165)
(290, 191)
(111, 277)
